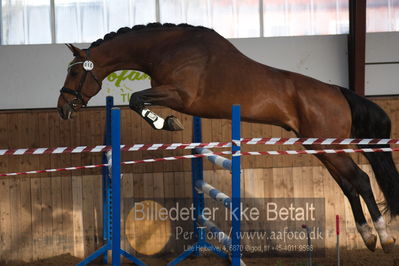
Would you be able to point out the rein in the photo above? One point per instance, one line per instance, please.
(88, 66)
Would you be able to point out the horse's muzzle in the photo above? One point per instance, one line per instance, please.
(65, 112)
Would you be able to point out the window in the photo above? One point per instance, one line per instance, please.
(299, 17)
(24, 23)
(382, 15)
(86, 21)
(59, 21)
(232, 18)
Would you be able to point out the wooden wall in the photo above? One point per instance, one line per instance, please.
(49, 214)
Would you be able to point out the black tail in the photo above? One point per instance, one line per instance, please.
(370, 121)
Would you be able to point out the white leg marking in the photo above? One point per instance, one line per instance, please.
(157, 121)
(364, 230)
(381, 228)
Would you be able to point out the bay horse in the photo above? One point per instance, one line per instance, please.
(196, 71)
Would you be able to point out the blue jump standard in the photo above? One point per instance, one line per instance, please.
(198, 186)
(111, 194)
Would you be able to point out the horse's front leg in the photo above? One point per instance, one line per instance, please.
(162, 95)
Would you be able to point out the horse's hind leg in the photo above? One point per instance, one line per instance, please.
(348, 170)
(163, 96)
(350, 192)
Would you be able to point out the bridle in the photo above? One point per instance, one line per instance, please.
(88, 66)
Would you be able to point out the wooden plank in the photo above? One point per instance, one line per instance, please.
(268, 186)
(37, 219)
(75, 140)
(97, 118)
(56, 200)
(148, 183)
(25, 239)
(299, 176)
(67, 208)
(4, 129)
(25, 226)
(5, 203)
(15, 200)
(187, 184)
(42, 140)
(15, 189)
(330, 202)
(59, 136)
(43, 248)
(77, 216)
(179, 185)
(138, 186)
(88, 214)
(47, 217)
(287, 174)
(318, 181)
(86, 129)
(159, 197)
(5, 220)
(169, 194)
(97, 209)
(252, 197)
(87, 207)
(127, 197)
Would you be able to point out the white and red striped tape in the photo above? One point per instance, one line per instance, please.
(288, 152)
(320, 141)
(291, 152)
(55, 170)
(190, 156)
(103, 148)
(188, 146)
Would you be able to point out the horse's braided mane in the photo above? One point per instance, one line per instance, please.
(123, 30)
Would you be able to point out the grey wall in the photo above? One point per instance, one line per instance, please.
(31, 75)
(382, 78)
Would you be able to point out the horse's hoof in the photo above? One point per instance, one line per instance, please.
(388, 245)
(371, 242)
(173, 124)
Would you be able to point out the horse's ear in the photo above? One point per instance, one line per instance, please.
(75, 50)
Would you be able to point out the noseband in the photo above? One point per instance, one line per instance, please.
(88, 67)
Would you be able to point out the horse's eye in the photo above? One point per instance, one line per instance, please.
(73, 73)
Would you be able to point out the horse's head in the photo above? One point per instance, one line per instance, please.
(80, 85)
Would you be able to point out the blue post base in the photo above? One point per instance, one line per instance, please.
(103, 251)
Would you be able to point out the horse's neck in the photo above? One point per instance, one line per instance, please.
(127, 52)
